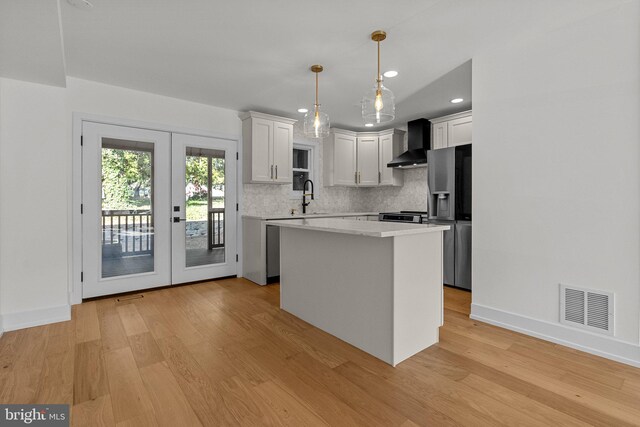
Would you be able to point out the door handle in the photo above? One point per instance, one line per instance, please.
(178, 219)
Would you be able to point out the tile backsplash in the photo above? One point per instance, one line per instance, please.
(270, 199)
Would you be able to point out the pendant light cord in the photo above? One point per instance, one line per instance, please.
(378, 76)
(317, 92)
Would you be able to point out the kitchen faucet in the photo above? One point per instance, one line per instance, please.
(304, 195)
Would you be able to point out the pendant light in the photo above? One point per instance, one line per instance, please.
(316, 123)
(378, 105)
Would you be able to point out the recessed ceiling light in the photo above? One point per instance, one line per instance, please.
(390, 73)
(368, 125)
(81, 4)
(302, 110)
(456, 100)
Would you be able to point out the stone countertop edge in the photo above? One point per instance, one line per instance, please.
(360, 228)
(311, 215)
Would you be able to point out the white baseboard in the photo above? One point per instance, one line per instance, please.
(43, 316)
(600, 345)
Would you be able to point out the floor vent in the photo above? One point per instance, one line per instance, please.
(587, 308)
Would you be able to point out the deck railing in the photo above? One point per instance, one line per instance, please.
(130, 232)
(216, 228)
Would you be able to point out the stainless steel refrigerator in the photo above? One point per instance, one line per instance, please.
(449, 203)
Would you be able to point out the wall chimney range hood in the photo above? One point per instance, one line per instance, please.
(419, 141)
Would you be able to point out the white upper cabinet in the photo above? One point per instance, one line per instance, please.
(452, 130)
(390, 146)
(283, 152)
(459, 131)
(360, 159)
(267, 148)
(339, 159)
(367, 160)
(439, 139)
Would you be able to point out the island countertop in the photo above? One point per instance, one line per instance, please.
(361, 228)
(310, 215)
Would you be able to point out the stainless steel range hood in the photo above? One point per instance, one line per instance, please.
(419, 141)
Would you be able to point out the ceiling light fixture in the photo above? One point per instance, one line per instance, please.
(390, 73)
(81, 4)
(378, 105)
(302, 110)
(456, 100)
(316, 124)
(368, 125)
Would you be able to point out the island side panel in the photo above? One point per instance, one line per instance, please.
(254, 250)
(418, 293)
(340, 283)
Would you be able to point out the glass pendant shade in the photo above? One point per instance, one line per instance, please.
(378, 105)
(316, 124)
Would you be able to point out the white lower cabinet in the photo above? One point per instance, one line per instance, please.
(359, 159)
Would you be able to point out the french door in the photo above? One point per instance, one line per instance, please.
(158, 208)
(203, 208)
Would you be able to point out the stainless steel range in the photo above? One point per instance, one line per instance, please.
(415, 217)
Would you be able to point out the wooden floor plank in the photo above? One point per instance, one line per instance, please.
(131, 320)
(96, 412)
(111, 328)
(129, 398)
(90, 378)
(145, 350)
(87, 324)
(223, 353)
(170, 405)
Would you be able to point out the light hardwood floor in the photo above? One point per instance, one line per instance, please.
(222, 353)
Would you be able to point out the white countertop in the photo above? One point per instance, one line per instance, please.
(309, 215)
(361, 228)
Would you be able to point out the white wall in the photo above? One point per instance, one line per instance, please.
(556, 181)
(35, 181)
(33, 201)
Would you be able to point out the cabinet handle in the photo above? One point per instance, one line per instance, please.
(271, 176)
(379, 177)
(276, 172)
(355, 177)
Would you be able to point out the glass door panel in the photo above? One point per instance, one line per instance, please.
(205, 205)
(127, 218)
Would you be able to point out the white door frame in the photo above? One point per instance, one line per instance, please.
(74, 246)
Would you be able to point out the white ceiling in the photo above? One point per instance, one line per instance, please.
(255, 54)
(31, 42)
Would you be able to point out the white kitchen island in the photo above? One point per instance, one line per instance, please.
(375, 285)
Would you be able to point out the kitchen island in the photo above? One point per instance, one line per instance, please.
(375, 285)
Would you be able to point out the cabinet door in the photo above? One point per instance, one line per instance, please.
(385, 155)
(282, 152)
(261, 143)
(439, 138)
(344, 160)
(367, 163)
(459, 131)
